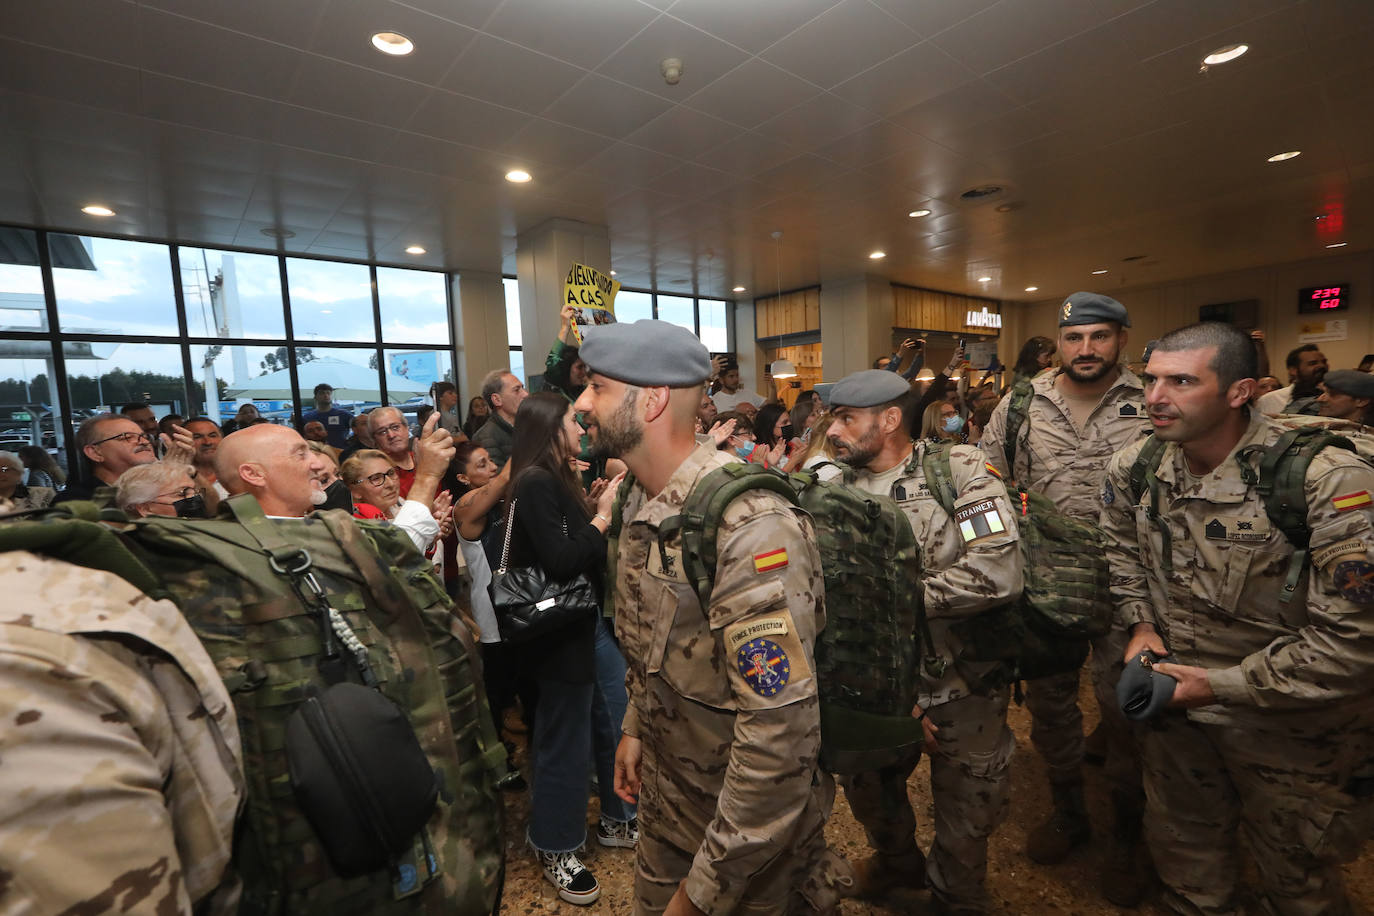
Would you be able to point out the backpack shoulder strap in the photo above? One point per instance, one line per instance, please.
(939, 475)
(699, 521)
(1282, 479)
(1018, 406)
(1145, 464)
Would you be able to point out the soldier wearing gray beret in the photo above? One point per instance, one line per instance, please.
(868, 388)
(647, 353)
(1092, 308)
(1349, 395)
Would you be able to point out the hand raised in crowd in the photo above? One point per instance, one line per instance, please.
(442, 508)
(598, 487)
(179, 447)
(1257, 335)
(721, 431)
(433, 448)
(911, 343)
(774, 455)
(605, 499)
(717, 366)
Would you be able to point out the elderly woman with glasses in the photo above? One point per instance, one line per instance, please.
(373, 481)
(14, 495)
(164, 488)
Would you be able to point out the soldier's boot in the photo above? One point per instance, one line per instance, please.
(1067, 828)
(880, 873)
(1126, 874)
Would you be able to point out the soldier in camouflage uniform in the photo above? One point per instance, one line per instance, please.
(1075, 420)
(1270, 728)
(121, 761)
(265, 639)
(722, 732)
(970, 563)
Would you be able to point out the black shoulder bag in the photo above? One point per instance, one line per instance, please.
(528, 604)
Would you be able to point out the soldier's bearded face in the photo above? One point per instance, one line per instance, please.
(1090, 351)
(855, 436)
(1183, 396)
(611, 406)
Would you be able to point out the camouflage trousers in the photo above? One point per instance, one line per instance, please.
(1057, 722)
(970, 785)
(803, 881)
(1282, 786)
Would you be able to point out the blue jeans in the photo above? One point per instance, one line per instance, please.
(565, 721)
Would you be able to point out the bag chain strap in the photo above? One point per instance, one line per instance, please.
(333, 621)
(505, 546)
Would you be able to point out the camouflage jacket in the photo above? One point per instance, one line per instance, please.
(735, 739)
(1219, 607)
(121, 761)
(1053, 457)
(266, 644)
(962, 576)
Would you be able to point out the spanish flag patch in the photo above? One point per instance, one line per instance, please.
(992, 470)
(1344, 503)
(773, 559)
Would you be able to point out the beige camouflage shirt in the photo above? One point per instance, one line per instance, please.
(1053, 457)
(966, 568)
(724, 700)
(119, 750)
(1217, 599)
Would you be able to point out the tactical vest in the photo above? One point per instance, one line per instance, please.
(1065, 601)
(266, 645)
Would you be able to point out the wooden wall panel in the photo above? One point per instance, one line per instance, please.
(807, 359)
(931, 310)
(791, 313)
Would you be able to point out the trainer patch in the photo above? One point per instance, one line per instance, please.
(979, 520)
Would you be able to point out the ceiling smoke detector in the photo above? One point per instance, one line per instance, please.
(671, 68)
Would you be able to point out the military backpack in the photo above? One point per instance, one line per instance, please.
(1065, 600)
(867, 654)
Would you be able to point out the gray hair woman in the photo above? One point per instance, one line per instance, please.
(14, 495)
(160, 488)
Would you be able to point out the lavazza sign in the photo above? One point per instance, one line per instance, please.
(983, 319)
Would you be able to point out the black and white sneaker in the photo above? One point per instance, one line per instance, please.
(575, 883)
(623, 834)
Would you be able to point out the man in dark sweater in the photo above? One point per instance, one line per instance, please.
(503, 393)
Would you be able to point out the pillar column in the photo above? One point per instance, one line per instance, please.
(542, 258)
(856, 324)
(479, 322)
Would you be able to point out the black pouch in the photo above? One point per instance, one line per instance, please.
(360, 776)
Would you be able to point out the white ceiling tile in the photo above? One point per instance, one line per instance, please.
(287, 23)
(326, 133)
(472, 13)
(1091, 59)
(497, 71)
(1013, 29)
(752, 26)
(105, 31)
(932, 18)
(816, 122)
(747, 154)
(693, 181)
(434, 156)
(193, 105)
(682, 132)
(604, 106)
(345, 29)
(955, 110)
(461, 119)
(639, 63)
(1168, 24)
(752, 93)
(584, 34)
(1010, 129)
(628, 165)
(909, 78)
(871, 143)
(355, 92)
(545, 143)
(799, 174)
(190, 50)
(55, 75)
(822, 50)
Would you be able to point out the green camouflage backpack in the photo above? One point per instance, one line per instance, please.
(1065, 601)
(1280, 481)
(867, 654)
(267, 646)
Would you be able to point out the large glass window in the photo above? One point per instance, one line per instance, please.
(678, 310)
(352, 371)
(330, 300)
(239, 374)
(513, 333)
(414, 305)
(411, 373)
(231, 294)
(114, 286)
(114, 374)
(22, 307)
(715, 332)
(631, 305)
(28, 411)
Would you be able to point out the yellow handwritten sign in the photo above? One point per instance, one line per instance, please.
(592, 293)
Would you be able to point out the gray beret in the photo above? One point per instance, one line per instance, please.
(868, 388)
(1092, 308)
(648, 353)
(1353, 382)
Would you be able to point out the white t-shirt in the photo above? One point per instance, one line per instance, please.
(726, 402)
(480, 571)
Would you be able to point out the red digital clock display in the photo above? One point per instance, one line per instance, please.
(1317, 299)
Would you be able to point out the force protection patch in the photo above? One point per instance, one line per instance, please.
(764, 666)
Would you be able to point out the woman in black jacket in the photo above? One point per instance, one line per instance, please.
(554, 529)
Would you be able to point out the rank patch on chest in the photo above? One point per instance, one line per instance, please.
(979, 520)
(764, 666)
(1237, 529)
(1357, 500)
(1130, 410)
(773, 559)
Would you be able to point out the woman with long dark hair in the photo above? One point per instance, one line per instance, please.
(773, 433)
(580, 672)
(1035, 357)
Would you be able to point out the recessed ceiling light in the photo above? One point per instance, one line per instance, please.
(739, 289)
(1225, 54)
(1031, 289)
(97, 210)
(415, 249)
(1284, 157)
(1098, 273)
(877, 255)
(1337, 244)
(985, 279)
(519, 176)
(392, 43)
(918, 213)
